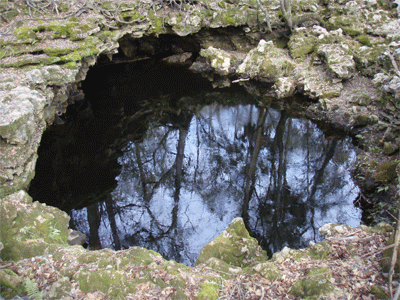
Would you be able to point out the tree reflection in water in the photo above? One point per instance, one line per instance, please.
(182, 185)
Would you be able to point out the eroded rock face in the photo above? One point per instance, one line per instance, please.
(25, 110)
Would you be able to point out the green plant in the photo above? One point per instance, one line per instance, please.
(32, 289)
(382, 189)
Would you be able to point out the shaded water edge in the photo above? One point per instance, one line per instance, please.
(167, 167)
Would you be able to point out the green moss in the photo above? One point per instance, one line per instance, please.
(178, 294)
(320, 250)
(105, 35)
(157, 22)
(386, 172)
(378, 292)
(11, 284)
(59, 31)
(101, 257)
(364, 39)
(316, 283)
(227, 19)
(330, 94)
(71, 65)
(44, 228)
(130, 15)
(268, 69)
(301, 45)
(221, 4)
(8, 15)
(112, 283)
(25, 34)
(207, 292)
(268, 270)
(234, 246)
(137, 256)
(57, 51)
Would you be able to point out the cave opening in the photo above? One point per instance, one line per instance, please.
(156, 156)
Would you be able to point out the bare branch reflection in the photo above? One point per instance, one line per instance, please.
(183, 183)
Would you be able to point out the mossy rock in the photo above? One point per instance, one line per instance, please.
(111, 282)
(378, 292)
(234, 246)
(101, 257)
(9, 15)
(380, 228)
(26, 34)
(361, 120)
(11, 284)
(267, 63)
(178, 294)
(227, 271)
(349, 24)
(268, 270)
(57, 51)
(301, 43)
(208, 291)
(386, 172)
(30, 229)
(59, 288)
(315, 284)
(136, 256)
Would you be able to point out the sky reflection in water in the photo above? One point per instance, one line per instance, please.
(183, 184)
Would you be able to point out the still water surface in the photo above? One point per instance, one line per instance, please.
(181, 187)
(190, 173)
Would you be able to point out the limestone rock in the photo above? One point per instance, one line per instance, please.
(331, 229)
(51, 75)
(10, 284)
(58, 289)
(76, 238)
(30, 229)
(222, 61)
(338, 59)
(302, 42)
(315, 83)
(393, 87)
(268, 270)
(284, 87)
(234, 246)
(180, 59)
(389, 29)
(282, 255)
(316, 284)
(266, 62)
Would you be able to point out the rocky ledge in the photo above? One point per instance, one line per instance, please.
(232, 266)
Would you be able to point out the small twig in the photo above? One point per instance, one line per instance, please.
(240, 79)
(377, 251)
(394, 256)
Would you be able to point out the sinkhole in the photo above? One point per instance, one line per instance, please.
(155, 157)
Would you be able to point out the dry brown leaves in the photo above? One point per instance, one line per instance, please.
(354, 262)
